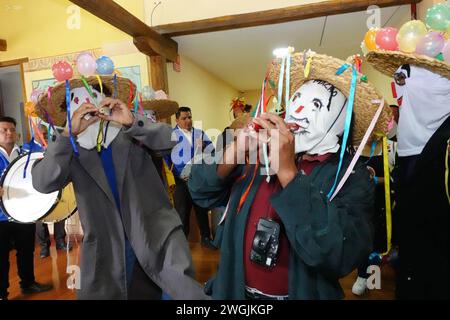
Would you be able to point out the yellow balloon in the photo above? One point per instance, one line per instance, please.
(369, 39)
(410, 34)
(447, 34)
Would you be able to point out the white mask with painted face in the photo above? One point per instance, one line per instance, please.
(88, 138)
(424, 99)
(318, 109)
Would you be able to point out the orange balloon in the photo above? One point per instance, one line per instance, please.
(370, 39)
(30, 109)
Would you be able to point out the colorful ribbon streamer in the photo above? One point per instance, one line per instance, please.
(69, 119)
(348, 121)
(359, 151)
(387, 195)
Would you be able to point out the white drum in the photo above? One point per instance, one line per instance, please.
(20, 201)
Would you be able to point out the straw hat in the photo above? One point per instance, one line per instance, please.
(56, 105)
(324, 68)
(240, 122)
(163, 108)
(388, 62)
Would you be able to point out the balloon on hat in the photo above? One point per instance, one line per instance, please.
(62, 71)
(370, 39)
(148, 93)
(438, 17)
(387, 39)
(410, 34)
(446, 51)
(86, 64)
(34, 97)
(431, 44)
(105, 65)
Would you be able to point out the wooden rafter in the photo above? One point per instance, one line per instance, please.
(3, 45)
(293, 13)
(147, 40)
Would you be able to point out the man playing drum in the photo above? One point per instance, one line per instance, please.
(21, 234)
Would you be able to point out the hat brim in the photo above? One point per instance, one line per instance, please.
(162, 108)
(324, 68)
(55, 106)
(387, 62)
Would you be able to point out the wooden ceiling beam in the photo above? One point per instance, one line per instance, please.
(3, 45)
(293, 13)
(117, 16)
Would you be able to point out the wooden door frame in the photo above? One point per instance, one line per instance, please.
(20, 62)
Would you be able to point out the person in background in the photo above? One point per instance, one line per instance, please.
(22, 235)
(373, 158)
(190, 143)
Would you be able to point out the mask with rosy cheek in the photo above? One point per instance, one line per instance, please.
(88, 138)
(316, 115)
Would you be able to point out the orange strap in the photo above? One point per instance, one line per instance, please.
(247, 191)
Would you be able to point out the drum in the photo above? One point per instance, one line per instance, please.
(65, 207)
(20, 201)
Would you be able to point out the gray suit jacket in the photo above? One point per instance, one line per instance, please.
(147, 217)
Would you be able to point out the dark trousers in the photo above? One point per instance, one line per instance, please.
(43, 235)
(22, 235)
(183, 204)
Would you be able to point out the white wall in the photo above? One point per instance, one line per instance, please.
(11, 86)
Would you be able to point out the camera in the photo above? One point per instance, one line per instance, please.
(265, 243)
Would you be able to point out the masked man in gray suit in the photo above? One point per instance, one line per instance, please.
(126, 216)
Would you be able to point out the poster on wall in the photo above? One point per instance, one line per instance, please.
(132, 72)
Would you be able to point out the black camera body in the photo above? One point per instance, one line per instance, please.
(265, 243)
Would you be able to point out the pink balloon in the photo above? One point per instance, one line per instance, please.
(86, 64)
(431, 44)
(62, 71)
(446, 51)
(387, 39)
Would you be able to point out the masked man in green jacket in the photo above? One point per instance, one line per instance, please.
(287, 237)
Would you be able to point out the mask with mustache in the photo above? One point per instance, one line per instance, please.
(317, 109)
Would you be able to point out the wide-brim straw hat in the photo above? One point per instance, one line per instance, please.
(56, 105)
(240, 122)
(324, 68)
(163, 108)
(388, 62)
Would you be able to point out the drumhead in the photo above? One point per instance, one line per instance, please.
(65, 207)
(20, 201)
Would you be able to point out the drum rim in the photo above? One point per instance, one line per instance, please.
(2, 180)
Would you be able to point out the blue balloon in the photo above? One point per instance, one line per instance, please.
(105, 65)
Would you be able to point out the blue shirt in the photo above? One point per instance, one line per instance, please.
(110, 172)
(184, 150)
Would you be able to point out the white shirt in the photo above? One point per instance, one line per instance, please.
(14, 153)
(187, 134)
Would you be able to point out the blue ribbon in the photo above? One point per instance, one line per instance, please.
(69, 119)
(348, 121)
(31, 144)
(372, 150)
(115, 87)
(136, 104)
(342, 69)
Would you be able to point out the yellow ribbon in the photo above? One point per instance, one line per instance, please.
(387, 195)
(308, 66)
(100, 83)
(447, 170)
(170, 179)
